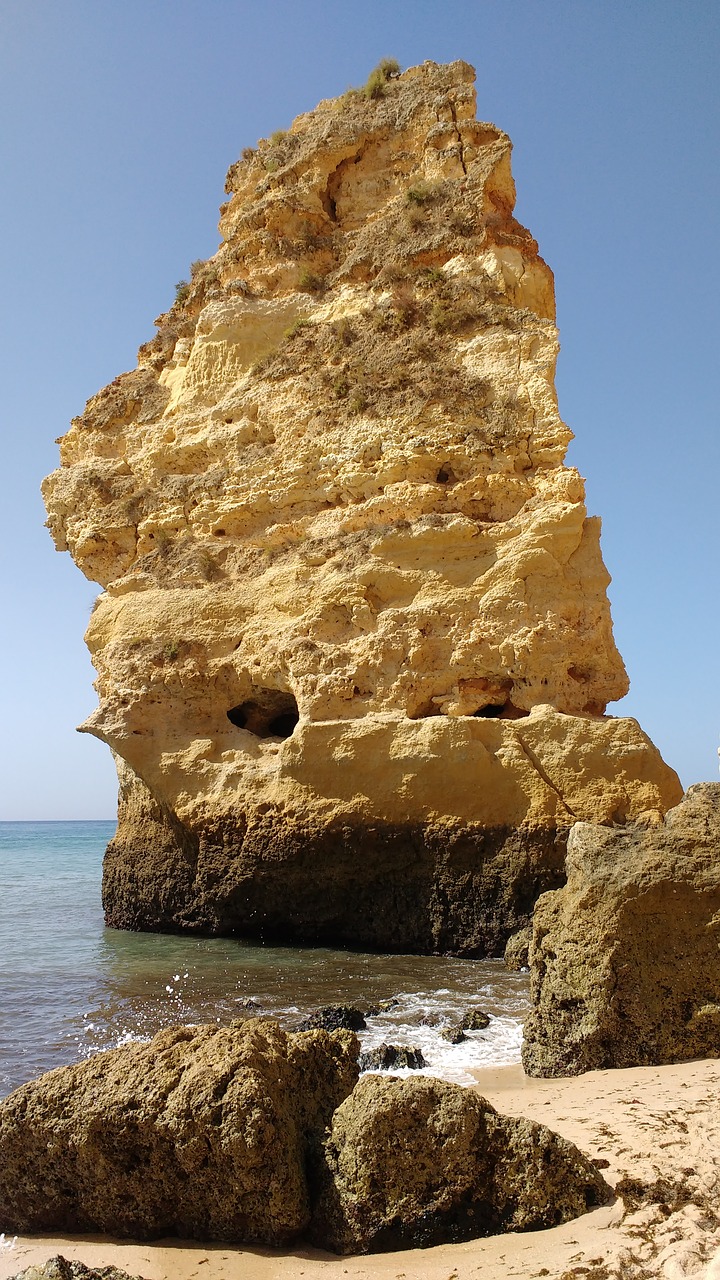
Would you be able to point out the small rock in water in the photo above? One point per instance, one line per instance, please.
(475, 1020)
(381, 1006)
(335, 1017)
(433, 1020)
(59, 1268)
(388, 1056)
(453, 1035)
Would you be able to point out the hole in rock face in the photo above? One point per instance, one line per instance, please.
(501, 711)
(271, 713)
(445, 476)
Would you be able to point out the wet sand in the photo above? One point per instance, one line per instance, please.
(649, 1124)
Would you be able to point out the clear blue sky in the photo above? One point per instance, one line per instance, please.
(117, 124)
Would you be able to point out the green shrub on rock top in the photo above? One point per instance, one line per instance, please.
(376, 83)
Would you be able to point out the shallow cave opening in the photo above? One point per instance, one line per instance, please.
(501, 711)
(270, 713)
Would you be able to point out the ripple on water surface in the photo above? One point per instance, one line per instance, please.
(70, 987)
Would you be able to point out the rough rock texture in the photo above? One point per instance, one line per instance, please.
(201, 1133)
(59, 1268)
(391, 1057)
(624, 959)
(354, 646)
(517, 950)
(418, 1162)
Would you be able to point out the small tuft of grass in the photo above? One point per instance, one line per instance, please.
(343, 330)
(297, 328)
(248, 153)
(278, 136)
(420, 194)
(311, 282)
(376, 83)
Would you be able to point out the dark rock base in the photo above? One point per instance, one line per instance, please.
(417, 888)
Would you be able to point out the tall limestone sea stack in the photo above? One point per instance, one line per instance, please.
(353, 647)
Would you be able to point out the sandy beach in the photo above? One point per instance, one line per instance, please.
(659, 1126)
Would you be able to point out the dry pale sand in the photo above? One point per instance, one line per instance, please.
(648, 1123)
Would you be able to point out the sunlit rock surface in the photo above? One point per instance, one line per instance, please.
(354, 647)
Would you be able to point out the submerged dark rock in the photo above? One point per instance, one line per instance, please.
(453, 1035)
(334, 1017)
(475, 1020)
(389, 1057)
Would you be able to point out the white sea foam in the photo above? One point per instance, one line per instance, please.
(419, 1019)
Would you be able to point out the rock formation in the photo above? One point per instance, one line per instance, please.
(418, 1162)
(624, 959)
(203, 1133)
(59, 1268)
(354, 647)
(238, 1134)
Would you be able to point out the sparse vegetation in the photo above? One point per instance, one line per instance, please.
(182, 292)
(376, 83)
(397, 358)
(300, 324)
(421, 193)
(310, 282)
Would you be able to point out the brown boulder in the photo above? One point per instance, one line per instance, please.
(200, 1133)
(517, 949)
(624, 959)
(59, 1268)
(420, 1162)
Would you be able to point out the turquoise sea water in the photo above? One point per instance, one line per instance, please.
(70, 987)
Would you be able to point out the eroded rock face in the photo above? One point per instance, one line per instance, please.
(203, 1133)
(420, 1162)
(624, 959)
(354, 645)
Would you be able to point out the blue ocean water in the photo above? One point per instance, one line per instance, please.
(70, 987)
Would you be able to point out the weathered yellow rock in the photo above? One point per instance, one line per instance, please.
(348, 578)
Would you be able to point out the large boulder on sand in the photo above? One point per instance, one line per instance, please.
(419, 1162)
(624, 959)
(202, 1133)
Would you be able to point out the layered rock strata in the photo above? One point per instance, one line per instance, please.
(354, 647)
(624, 959)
